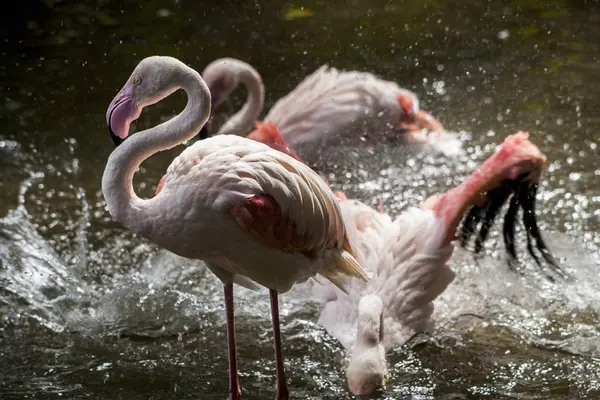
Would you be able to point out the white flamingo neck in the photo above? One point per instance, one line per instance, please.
(117, 182)
(242, 122)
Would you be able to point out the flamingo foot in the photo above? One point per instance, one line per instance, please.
(234, 381)
(282, 391)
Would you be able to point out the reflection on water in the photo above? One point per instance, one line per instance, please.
(88, 310)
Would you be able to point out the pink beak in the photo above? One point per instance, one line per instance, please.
(121, 112)
(417, 119)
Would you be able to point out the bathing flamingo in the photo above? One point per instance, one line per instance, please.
(408, 257)
(253, 214)
(328, 107)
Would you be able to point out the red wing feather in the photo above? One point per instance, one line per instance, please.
(267, 133)
(261, 216)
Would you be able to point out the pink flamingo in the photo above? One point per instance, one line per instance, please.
(328, 107)
(406, 258)
(253, 214)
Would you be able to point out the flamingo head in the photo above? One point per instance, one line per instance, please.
(152, 80)
(414, 120)
(268, 134)
(510, 175)
(368, 369)
(222, 77)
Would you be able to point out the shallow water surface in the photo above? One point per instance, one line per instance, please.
(90, 311)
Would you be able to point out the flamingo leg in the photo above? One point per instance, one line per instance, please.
(234, 383)
(282, 391)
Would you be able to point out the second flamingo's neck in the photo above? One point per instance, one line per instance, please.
(243, 121)
(117, 182)
(452, 206)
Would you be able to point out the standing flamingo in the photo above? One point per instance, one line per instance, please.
(328, 107)
(253, 214)
(408, 257)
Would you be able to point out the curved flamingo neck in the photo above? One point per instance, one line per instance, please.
(242, 122)
(117, 182)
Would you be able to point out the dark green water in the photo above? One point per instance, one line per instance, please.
(88, 311)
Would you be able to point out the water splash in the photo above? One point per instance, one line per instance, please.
(135, 310)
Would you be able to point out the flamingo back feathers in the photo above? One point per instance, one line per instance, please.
(257, 182)
(329, 101)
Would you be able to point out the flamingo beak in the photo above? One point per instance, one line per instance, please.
(205, 131)
(214, 102)
(417, 119)
(121, 112)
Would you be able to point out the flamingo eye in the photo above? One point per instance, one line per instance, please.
(136, 80)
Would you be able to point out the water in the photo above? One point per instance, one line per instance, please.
(88, 310)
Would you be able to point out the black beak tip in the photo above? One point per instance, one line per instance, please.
(116, 140)
(204, 133)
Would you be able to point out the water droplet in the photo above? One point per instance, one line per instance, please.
(504, 34)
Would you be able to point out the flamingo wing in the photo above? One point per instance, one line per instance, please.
(412, 272)
(277, 199)
(292, 210)
(262, 217)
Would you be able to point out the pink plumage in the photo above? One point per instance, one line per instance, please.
(329, 107)
(254, 215)
(406, 260)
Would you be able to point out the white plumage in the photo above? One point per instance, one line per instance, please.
(329, 107)
(211, 176)
(252, 213)
(407, 267)
(406, 261)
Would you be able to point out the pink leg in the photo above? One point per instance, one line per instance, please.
(282, 391)
(234, 383)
